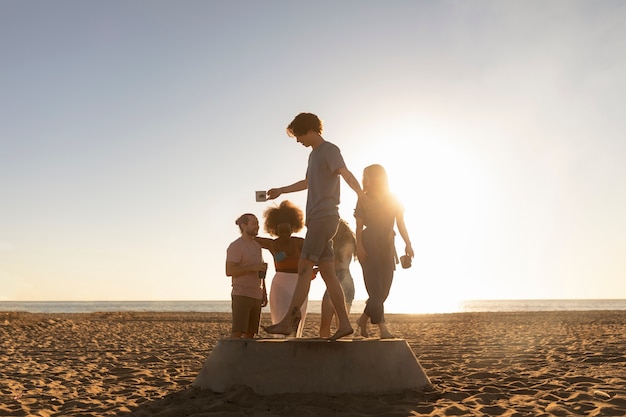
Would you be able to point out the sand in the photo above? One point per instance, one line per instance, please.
(480, 364)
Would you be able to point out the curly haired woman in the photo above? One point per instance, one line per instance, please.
(281, 222)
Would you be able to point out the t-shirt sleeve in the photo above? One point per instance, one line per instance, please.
(233, 254)
(335, 159)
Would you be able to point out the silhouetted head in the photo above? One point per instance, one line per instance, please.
(303, 124)
(375, 179)
(286, 213)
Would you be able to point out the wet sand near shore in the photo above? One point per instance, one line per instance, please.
(480, 364)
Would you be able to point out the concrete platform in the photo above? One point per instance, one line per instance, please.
(274, 366)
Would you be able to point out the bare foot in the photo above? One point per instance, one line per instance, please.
(346, 331)
(386, 335)
(287, 325)
(384, 332)
(277, 328)
(362, 325)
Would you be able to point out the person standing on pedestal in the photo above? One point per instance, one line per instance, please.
(322, 183)
(244, 263)
(282, 221)
(376, 214)
(344, 248)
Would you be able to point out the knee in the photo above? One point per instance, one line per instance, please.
(305, 267)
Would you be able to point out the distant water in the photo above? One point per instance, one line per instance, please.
(314, 306)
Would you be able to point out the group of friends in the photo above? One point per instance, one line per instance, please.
(327, 248)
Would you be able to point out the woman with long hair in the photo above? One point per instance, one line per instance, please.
(376, 214)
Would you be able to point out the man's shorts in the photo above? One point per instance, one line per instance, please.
(246, 314)
(318, 244)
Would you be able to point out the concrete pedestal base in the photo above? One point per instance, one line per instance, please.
(273, 366)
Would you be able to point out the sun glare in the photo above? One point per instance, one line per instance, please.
(417, 298)
(445, 193)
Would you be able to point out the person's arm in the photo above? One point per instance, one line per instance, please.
(234, 269)
(405, 234)
(351, 181)
(361, 253)
(265, 242)
(273, 193)
(264, 300)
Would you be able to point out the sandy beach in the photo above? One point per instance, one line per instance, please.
(480, 364)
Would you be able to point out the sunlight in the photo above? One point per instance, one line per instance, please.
(446, 194)
(417, 299)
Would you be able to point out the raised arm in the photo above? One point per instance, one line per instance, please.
(296, 186)
(266, 243)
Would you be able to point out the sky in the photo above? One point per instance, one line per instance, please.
(133, 134)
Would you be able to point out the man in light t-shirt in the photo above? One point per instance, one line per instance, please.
(244, 263)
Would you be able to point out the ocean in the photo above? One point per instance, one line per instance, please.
(314, 306)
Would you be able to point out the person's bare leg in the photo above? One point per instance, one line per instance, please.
(236, 335)
(362, 324)
(327, 270)
(328, 312)
(303, 312)
(384, 332)
(285, 326)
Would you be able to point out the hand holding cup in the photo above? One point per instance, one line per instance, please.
(405, 261)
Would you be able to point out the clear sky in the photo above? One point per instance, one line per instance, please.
(133, 133)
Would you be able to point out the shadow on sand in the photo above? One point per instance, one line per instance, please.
(241, 401)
